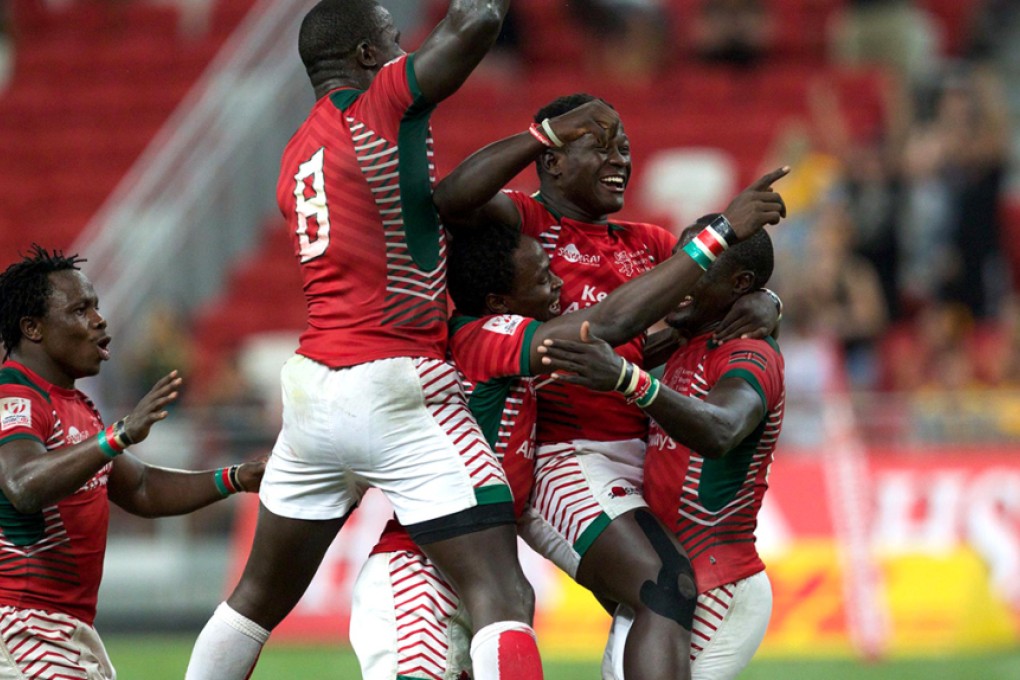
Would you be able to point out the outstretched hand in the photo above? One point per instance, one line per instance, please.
(152, 408)
(757, 205)
(589, 362)
(596, 118)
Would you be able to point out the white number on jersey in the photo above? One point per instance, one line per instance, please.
(312, 206)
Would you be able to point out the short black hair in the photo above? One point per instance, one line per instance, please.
(332, 30)
(480, 262)
(754, 254)
(561, 105)
(25, 287)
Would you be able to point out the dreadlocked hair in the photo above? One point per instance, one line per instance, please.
(24, 288)
(481, 261)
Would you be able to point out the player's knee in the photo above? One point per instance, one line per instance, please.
(674, 593)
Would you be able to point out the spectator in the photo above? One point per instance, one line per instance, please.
(838, 293)
(892, 33)
(732, 32)
(632, 36)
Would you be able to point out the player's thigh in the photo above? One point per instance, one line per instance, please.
(406, 621)
(323, 438)
(633, 550)
(32, 641)
(284, 557)
(729, 625)
(580, 487)
(430, 457)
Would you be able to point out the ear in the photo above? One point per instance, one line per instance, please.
(365, 53)
(743, 282)
(550, 162)
(31, 328)
(496, 304)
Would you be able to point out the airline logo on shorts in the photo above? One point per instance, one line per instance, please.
(504, 324)
(621, 491)
(15, 412)
(571, 254)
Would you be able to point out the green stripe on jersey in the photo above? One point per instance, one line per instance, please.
(10, 376)
(421, 224)
(750, 379)
(493, 494)
(487, 403)
(20, 529)
(529, 333)
(21, 435)
(722, 478)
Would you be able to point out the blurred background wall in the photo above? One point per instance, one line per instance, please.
(146, 135)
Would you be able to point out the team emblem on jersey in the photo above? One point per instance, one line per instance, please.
(571, 254)
(15, 412)
(505, 324)
(633, 263)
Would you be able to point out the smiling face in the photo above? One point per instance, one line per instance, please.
(591, 177)
(536, 290)
(72, 334)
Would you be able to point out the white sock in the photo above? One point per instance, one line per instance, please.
(505, 650)
(612, 658)
(227, 648)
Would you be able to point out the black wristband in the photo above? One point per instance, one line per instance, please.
(723, 227)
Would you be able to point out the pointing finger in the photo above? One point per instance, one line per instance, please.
(766, 180)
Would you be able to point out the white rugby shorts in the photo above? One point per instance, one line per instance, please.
(43, 645)
(401, 425)
(729, 625)
(407, 622)
(580, 487)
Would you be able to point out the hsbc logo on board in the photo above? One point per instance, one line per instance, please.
(15, 412)
(571, 254)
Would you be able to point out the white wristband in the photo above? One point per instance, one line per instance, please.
(551, 135)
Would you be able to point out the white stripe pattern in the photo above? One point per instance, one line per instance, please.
(40, 644)
(423, 604)
(562, 495)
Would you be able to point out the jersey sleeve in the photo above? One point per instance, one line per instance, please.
(757, 362)
(24, 414)
(533, 214)
(493, 346)
(392, 98)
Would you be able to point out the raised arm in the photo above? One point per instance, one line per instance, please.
(457, 45)
(639, 303)
(32, 478)
(471, 194)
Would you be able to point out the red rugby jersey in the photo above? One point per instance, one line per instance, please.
(493, 355)
(593, 260)
(355, 188)
(713, 505)
(53, 559)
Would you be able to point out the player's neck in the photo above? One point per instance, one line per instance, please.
(560, 206)
(44, 367)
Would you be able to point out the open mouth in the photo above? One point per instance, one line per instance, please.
(686, 302)
(103, 345)
(554, 308)
(615, 183)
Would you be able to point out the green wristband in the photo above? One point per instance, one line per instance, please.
(106, 447)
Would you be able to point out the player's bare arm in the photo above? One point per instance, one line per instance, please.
(712, 427)
(150, 491)
(457, 45)
(32, 478)
(471, 194)
(641, 302)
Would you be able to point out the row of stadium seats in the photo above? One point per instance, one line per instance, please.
(93, 82)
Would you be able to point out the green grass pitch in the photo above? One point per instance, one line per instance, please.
(165, 658)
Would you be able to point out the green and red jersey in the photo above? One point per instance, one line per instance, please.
(52, 559)
(593, 260)
(712, 504)
(355, 187)
(493, 355)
